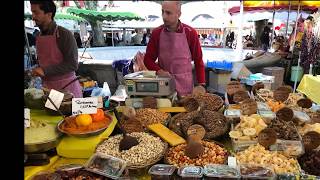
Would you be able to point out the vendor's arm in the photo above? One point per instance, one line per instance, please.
(152, 51)
(69, 49)
(196, 53)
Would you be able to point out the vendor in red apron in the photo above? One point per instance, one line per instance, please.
(175, 45)
(56, 49)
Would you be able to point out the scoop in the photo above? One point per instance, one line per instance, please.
(127, 141)
(267, 137)
(194, 147)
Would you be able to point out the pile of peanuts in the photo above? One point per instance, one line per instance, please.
(149, 148)
(213, 154)
(257, 154)
(148, 116)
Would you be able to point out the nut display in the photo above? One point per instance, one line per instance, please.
(248, 106)
(248, 128)
(148, 116)
(149, 102)
(210, 102)
(285, 114)
(310, 162)
(285, 130)
(281, 95)
(293, 99)
(240, 96)
(190, 103)
(213, 154)
(215, 124)
(257, 154)
(264, 95)
(233, 87)
(309, 127)
(148, 149)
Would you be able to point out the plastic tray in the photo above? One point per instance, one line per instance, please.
(187, 172)
(240, 145)
(256, 175)
(219, 171)
(161, 171)
(109, 166)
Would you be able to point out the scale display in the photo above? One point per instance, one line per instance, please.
(147, 86)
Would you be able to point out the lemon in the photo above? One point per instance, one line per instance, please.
(83, 120)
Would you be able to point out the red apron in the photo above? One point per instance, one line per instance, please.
(175, 57)
(49, 54)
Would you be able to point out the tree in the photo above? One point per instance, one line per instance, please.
(96, 26)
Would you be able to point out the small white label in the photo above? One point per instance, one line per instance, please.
(56, 97)
(26, 117)
(84, 105)
(100, 102)
(232, 161)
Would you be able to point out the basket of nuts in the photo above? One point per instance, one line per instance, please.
(148, 116)
(213, 154)
(248, 107)
(149, 151)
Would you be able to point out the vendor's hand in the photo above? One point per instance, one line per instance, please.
(38, 71)
(163, 73)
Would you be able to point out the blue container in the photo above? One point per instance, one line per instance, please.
(224, 65)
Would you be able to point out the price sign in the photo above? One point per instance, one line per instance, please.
(56, 97)
(84, 105)
(26, 117)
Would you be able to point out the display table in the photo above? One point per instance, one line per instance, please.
(310, 86)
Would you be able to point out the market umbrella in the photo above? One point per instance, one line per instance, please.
(308, 6)
(104, 16)
(60, 16)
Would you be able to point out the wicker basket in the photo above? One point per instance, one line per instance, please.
(165, 159)
(285, 114)
(280, 95)
(211, 102)
(190, 103)
(248, 107)
(150, 162)
(209, 121)
(233, 87)
(240, 96)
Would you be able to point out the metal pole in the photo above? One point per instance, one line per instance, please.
(112, 34)
(296, 79)
(28, 47)
(295, 28)
(274, 12)
(288, 18)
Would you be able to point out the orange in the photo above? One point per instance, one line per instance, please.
(99, 116)
(83, 120)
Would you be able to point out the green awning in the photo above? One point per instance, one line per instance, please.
(60, 16)
(103, 15)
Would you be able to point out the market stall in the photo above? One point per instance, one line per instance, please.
(143, 130)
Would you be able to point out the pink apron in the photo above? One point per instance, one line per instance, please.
(175, 57)
(49, 54)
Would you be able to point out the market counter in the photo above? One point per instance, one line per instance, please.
(309, 86)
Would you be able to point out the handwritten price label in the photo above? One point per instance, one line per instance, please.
(84, 105)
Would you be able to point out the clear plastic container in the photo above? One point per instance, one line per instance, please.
(106, 165)
(292, 148)
(254, 171)
(302, 116)
(219, 171)
(261, 106)
(267, 115)
(240, 145)
(161, 171)
(190, 172)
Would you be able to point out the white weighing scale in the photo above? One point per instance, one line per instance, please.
(146, 83)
